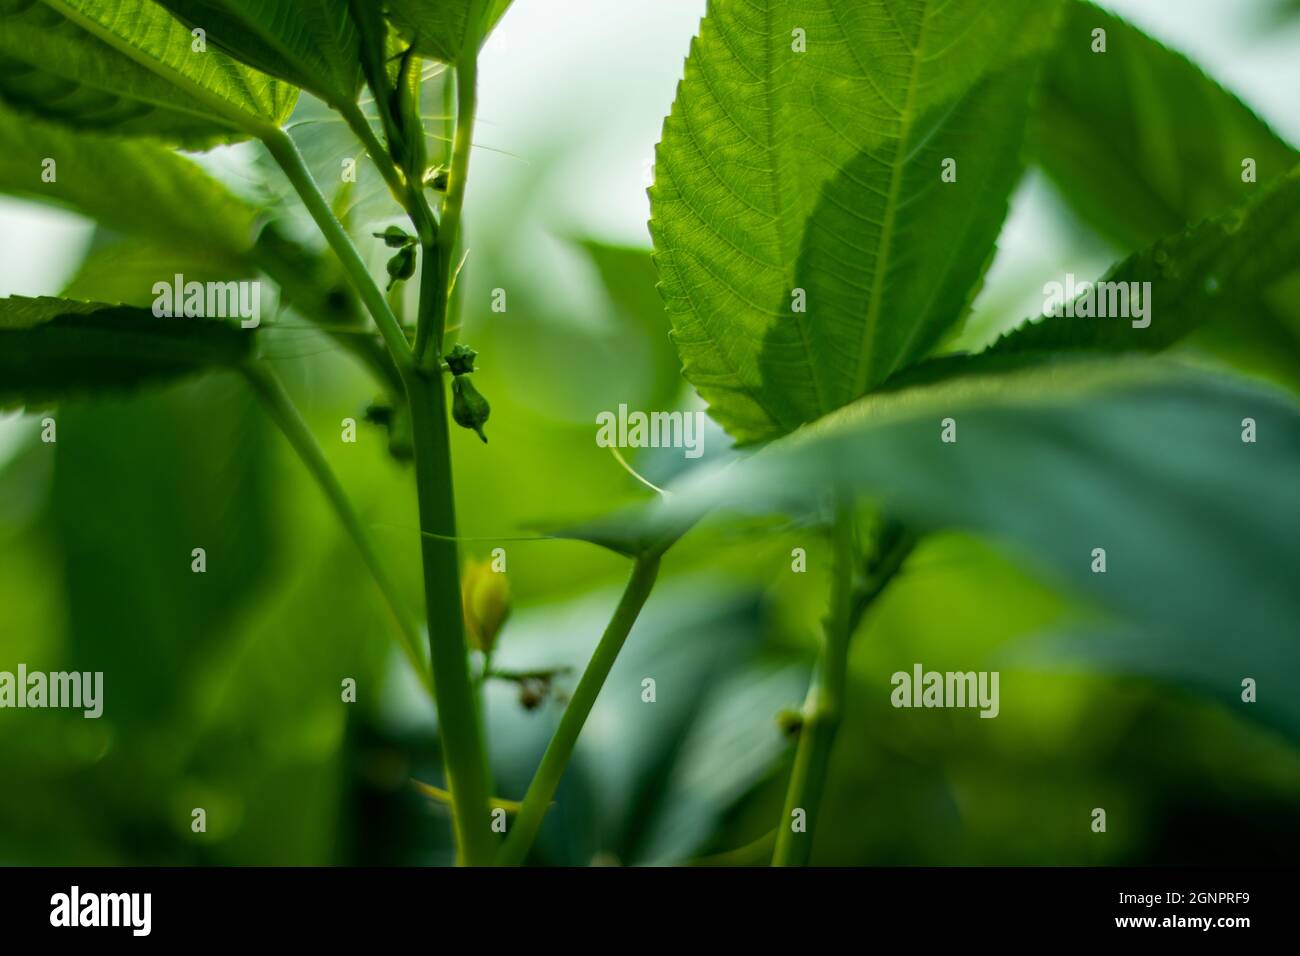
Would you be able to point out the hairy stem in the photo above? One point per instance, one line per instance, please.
(459, 724)
(547, 779)
(280, 407)
(285, 153)
(824, 705)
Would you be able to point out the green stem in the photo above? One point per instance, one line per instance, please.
(429, 334)
(824, 705)
(459, 724)
(547, 779)
(361, 128)
(285, 153)
(822, 708)
(280, 407)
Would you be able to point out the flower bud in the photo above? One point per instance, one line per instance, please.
(485, 596)
(402, 265)
(468, 407)
(394, 237)
(460, 360)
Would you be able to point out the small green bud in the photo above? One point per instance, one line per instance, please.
(460, 360)
(394, 237)
(468, 407)
(485, 598)
(402, 265)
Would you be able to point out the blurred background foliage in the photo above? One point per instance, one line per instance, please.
(223, 689)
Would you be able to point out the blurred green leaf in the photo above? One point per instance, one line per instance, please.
(785, 173)
(123, 269)
(438, 28)
(128, 67)
(133, 187)
(640, 323)
(1198, 277)
(51, 349)
(1141, 141)
(1141, 458)
(137, 610)
(312, 44)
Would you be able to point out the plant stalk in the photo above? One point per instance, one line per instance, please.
(429, 335)
(286, 154)
(824, 706)
(459, 725)
(360, 127)
(547, 779)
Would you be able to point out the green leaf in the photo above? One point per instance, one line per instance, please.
(1142, 458)
(629, 279)
(1140, 140)
(140, 481)
(310, 43)
(820, 171)
(123, 269)
(51, 349)
(134, 187)
(190, 223)
(1143, 144)
(128, 67)
(440, 28)
(1198, 277)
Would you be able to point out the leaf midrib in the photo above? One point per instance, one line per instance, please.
(907, 120)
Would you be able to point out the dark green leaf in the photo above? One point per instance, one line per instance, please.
(1198, 277)
(136, 610)
(1141, 458)
(1140, 140)
(54, 348)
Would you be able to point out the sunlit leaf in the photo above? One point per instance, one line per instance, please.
(130, 68)
(312, 44)
(439, 28)
(807, 241)
(139, 188)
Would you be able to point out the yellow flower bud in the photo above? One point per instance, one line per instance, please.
(485, 596)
